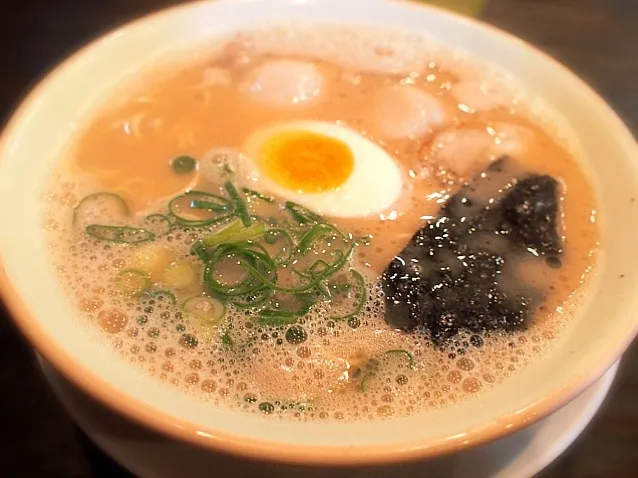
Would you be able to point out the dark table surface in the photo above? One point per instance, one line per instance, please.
(596, 38)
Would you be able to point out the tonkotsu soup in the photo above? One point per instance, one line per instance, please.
(323, 223)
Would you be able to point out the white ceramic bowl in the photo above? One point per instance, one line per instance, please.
(45, 122)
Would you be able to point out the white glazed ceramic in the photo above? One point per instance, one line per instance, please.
(44, 124)
(522, 454)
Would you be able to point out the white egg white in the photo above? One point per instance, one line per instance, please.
(374, 185)
(283, 83)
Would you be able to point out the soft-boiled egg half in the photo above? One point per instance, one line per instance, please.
(326, 167)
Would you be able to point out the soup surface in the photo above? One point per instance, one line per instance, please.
(323, 223)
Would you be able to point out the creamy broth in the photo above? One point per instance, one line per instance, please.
(440, 124)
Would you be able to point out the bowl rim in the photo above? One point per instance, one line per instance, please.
(181, 430)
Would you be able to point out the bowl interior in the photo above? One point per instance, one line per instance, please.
(44, 124)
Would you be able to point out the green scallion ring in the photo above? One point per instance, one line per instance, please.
(160, 222)
(86, 203)
(199, 198)
(121, 234)
(183, 164)
(132, 282)
(210, 311)
(359, 284)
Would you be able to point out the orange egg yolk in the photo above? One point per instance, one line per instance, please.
(305, 161)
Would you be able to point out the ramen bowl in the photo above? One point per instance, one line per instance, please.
(42, 127)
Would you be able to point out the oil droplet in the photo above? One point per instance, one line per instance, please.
(209, 386)
(132, 332)
(112, 321)
(91, 304)
(465, 364)
(471, 385)
(488, 378)
(167, 366)
(250, 398)
(296, 335)
(454, 376)
(188, 341)
(266, 407)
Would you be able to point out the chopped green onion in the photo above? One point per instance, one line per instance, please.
(252, 299)
(363, 240)
(123, 234)
(199, 249)
(259, 267)
(103, 200)
(314, 233)
(227, 169)
(184, 209)
(210, 206)
(302, 215)
(275, 318)
(179, 275)
(183, 164)
(163, 222)
(227, 340)
(363, 385)
(235, 234)
(357, 288)
(282, 311)
(285, 254)
(403, 353)
(210, 311)
(258, 256)
(373, 365)
(132, 282)
(240, 205)
(163, 294)
(232, 343)
(321, 269)
(258, 195)
(260, 271)
(234, 226)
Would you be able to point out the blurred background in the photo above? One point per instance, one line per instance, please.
(595, 38)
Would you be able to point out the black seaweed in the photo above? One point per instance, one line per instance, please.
(530, 212)
(457, 272)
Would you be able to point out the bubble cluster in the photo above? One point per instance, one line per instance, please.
(316, 369)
